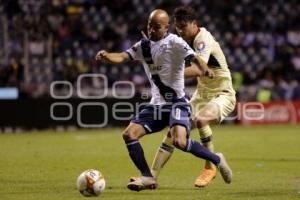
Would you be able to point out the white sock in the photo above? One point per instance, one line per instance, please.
(162, 155)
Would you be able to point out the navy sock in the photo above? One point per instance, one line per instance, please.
(200, 151)
(136, 154)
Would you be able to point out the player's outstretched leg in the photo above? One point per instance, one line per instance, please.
(217, 158)
(195, 148)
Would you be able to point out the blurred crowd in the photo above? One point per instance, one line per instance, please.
(52, 40)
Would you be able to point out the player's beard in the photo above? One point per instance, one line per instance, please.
(153, 37)
(156, 37)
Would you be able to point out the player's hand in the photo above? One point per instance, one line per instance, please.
(101, 55)
(209, 73)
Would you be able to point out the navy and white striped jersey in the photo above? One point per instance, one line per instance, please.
(164, 63)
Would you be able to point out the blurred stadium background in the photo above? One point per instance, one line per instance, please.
(46, 46)
(56, 40)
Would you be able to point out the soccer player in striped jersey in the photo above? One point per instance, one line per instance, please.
(213, 100)
(163, 56)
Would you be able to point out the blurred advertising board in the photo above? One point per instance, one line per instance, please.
(276, 112)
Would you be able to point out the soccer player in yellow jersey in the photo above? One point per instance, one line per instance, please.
(213, 100)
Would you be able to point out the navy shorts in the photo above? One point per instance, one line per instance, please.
(154, 118)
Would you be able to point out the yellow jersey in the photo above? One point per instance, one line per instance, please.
(210, 51)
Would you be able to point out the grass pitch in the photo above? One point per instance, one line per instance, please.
(45, 165)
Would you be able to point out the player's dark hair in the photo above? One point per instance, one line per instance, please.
(185, 14)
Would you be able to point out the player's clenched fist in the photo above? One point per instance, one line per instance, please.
(101, 55)
(112, 58)
(209, 73)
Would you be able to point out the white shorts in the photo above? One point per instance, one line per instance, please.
(225, 104)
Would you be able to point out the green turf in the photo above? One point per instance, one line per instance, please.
(45, 165)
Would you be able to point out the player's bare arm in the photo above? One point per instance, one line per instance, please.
(192, 71)
(113, 58)
(202, 66)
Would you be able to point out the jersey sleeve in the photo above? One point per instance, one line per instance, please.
(182, 48)
(203, 47)
(135, 52)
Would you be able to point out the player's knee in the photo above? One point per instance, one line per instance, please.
(200, 121)
(179, 143)
(129, 134)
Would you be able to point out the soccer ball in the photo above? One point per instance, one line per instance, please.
(90, 183)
